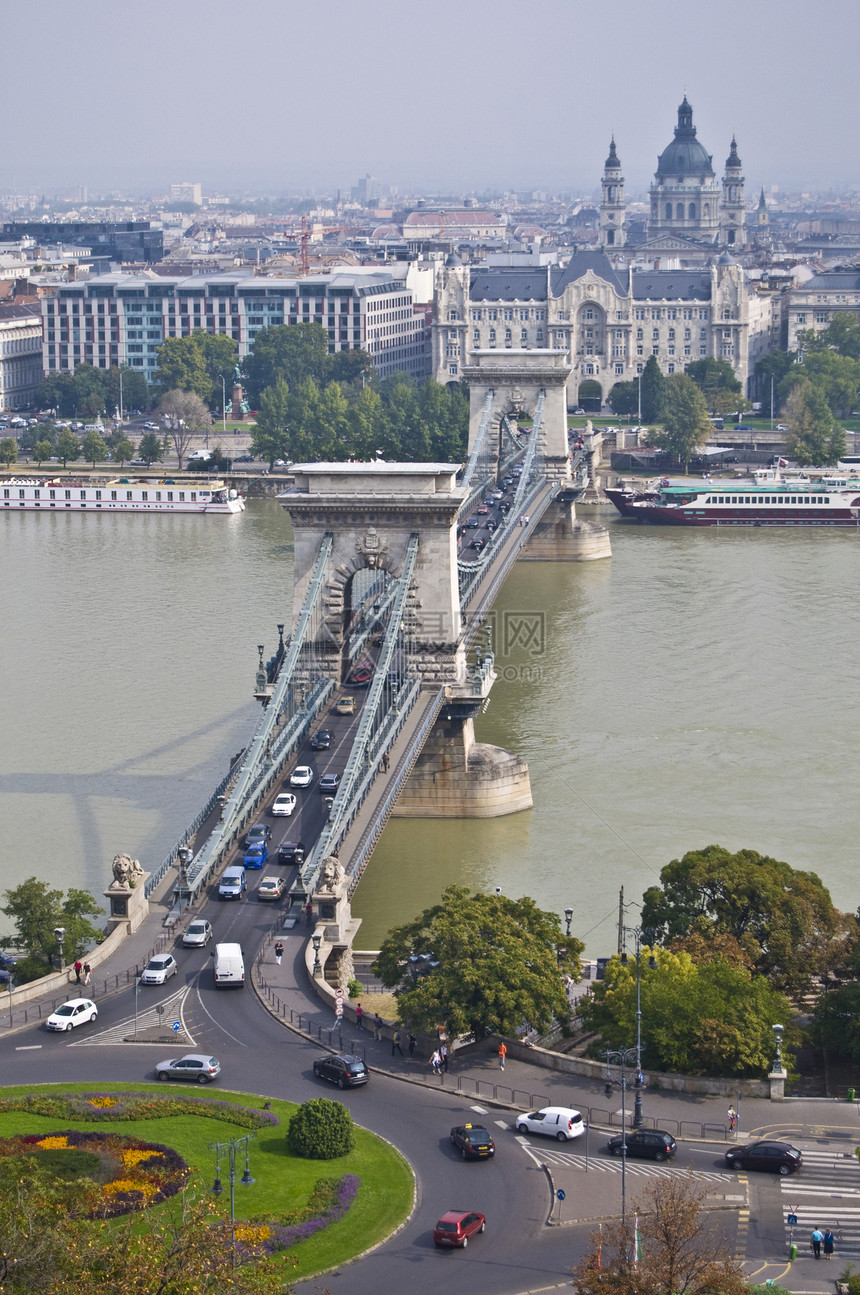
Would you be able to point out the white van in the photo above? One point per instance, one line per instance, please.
(229, 965)
(233, 883)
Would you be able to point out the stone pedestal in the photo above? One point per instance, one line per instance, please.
(335, 923)
(777, 1079)
(457, 777)
(236, 412)
(560, 537)
(127, 906)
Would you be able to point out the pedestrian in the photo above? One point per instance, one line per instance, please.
(828, 1243)
(359, 1017)
(279, 952)
(309, 912)
(436, 1062)
(817, 1238)
(503, 1052)
(377, 1027)
(733, 1117)
(79, 966)
(412, 1042)
(395, 1043)
(88, 971)
(443, 1057)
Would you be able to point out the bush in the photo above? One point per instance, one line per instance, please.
(353, 988)
(321, 1130)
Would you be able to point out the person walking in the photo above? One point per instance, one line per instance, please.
(79, 966)
(412, 1041)
(817, 1238)
(279, 952)
(377, 1027)
(359, 1017)
(829, 1240)
(443, 1057)
(395, 1043)
(503, 1052)
(436, 1062)
(733, 1118)
(88, 971)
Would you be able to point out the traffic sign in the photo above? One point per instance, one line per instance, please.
(338, 1011)
(560, 1193)
(792, 1220)
(176, 1025)
(338, 993)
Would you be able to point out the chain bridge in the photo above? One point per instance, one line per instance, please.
(391, 592)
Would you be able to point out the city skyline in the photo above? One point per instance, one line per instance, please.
(289, 98)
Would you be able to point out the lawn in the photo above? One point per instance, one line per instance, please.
(281, 1182)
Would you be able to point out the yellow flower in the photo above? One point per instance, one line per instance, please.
(102, 1101)
(134, 1156)
(53, 1144)
(130, 1185)
(253, 1233)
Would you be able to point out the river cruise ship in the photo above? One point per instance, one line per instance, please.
(121, 495)
(765, 498)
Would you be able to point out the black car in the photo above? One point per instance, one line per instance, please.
(343, 1069)
(291, 852)
(770, 1157)
(321, 741)
(329, 783)
(650, 1144)
(259, 834)
(478, 544)
(472, 524)
(473, 1140)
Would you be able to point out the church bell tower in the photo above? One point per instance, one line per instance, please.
(612, 203)
(732, 212)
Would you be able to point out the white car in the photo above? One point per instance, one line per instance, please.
(199, 933)
(561, 1122)
(284, 804)
(77, 1011)
(302, 776)
(159, 969)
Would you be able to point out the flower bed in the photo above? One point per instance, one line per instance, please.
(329, 1201)
(135, 1106)
(133, 1174)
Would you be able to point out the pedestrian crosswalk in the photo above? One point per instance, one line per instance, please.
(601, 1163)
(824, 1193)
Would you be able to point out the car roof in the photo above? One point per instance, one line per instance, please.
(160, 957)
(559, 1110)
(75, 1002)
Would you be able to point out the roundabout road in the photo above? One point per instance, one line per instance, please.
(258, 1054)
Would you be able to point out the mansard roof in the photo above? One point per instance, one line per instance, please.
(579, 265)
(508, 283)
(671, 285)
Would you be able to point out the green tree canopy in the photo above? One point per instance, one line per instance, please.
(654, 391)
(500, 965)
(90, 391)
(842, 335)
(289, 351)
(8, 450)
(708, 1018)
(719, 385)
(68, 446)
(270, 435)
(624, 399)
(150, 447)
(685, 419)
(36, 911)
(182, 367)
(814, 436)
(783, 918)
(42, 450)
(94, 448)
(121, 447)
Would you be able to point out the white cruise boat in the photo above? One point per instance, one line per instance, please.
(120, 495)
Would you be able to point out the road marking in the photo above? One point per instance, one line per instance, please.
(28, 1047)
(147, 1019)
(480, 1110)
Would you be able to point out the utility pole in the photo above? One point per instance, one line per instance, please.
(621, 920)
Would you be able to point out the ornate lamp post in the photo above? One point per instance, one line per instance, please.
(59, 936)
(568, 918)
(229, 1149)
(623, 1058)
(316, 941)
(182, 865)
(777, 1042)
(636, 932)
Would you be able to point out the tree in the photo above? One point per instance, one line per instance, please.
(37, 911)
(150, 447)
(42, 450)
(182, 367)
(122, 448)
(624, 399)
(219, 357)
(68, 446)
(270, 437)
(685, 419)
(350, 367)
(772, 367)
(8, 450)
(94, 448)
(836, 1021)
(814, 436)
(135, 389)
(719, 385)
(499, 964)
(842, 335)
(321, 1130)
(679, 1249)
(707, 1018)
(782, 917)
(289, 351)
(654, 392)
(186, 414)
(366, 418)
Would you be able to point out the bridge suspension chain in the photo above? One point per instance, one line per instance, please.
(481, 447)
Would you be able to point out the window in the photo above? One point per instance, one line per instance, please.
(452, 370)
(619, 370)
(638, 313)
(668, 211)
(476, 335)
(691, 212)
(821, 317)
(801, 319)
(655, 334)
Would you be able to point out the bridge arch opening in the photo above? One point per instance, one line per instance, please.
(590, 396)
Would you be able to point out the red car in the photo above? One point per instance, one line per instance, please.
(455, 1228)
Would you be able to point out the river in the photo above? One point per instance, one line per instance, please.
(701, 686)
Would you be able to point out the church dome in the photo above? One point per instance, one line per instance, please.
(685, 155)
(612, 162)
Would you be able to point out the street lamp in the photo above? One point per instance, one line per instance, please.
(229, 1149)
(777, 1041)
(59, 936)
(568, 918)
(316, 941)
(182, 856)
(636, 932)
(223, 407)
(622, 1058)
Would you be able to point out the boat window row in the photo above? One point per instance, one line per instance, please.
(127, 496)
(768, 499)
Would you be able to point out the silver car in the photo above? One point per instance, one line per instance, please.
(198, 934)
(161, 967)
(193, 1068)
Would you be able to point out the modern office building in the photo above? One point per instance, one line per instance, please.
(124, 319)
(20, 355)
(125, 240)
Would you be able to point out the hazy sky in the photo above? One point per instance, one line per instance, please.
(449, 94)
